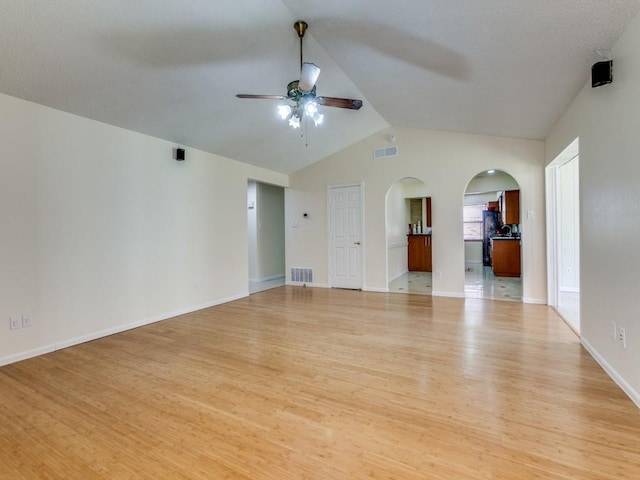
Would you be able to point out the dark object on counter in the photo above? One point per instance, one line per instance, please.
(490, 224)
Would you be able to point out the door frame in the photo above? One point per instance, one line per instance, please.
(330, 232)
(570, 153)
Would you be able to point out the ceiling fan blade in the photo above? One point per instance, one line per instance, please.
(339, 102)
(267, 97)
(308, 76)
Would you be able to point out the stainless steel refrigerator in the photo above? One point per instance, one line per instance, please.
(490, 224)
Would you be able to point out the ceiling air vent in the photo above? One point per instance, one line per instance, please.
(385, 152)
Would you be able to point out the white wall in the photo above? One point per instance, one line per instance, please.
(102, 230)
(607, 121)
(473, 251)
(499, 181)
(446, 162)
(270, 245)
(479, 198)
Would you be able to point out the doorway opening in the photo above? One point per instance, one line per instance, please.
(492, 237)
(265, 224)
(563, 235)
(409, 237)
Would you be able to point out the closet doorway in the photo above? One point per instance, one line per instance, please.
(265, 224)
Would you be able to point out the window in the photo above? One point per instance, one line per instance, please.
(472, 218)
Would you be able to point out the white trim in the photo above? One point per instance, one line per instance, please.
(609, 370)
(551, 178)
(535, 301)
(18, 357)
(399, 275)
(376, 290)
(314, 285)
(111, 331)
(267, 279)
(447, 294)
(570, 152)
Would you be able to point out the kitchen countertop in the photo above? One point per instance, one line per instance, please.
(498, 237)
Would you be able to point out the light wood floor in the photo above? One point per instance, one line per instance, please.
(300, 383)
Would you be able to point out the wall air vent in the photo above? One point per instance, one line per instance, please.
(301, 275)
(385, 152)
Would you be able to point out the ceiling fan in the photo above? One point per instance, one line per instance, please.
(302, 92)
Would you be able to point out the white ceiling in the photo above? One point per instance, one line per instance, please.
(172, 68)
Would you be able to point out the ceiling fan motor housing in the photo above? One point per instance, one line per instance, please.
(295, 94)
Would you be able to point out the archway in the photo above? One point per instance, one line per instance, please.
(408, 235)
(493, 237)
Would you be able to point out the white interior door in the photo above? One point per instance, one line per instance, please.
(345, 242)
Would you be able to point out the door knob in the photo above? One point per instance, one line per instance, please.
(356, 243)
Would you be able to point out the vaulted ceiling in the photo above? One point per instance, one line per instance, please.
(171, 69)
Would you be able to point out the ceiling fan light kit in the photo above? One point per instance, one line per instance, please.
(302, 93)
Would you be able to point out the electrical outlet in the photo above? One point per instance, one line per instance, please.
(438, 274)
(622, 336)
(14, 323)
(26, 321)
(614, 331)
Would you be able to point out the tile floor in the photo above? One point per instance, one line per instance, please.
(479, 282)
(418, 283)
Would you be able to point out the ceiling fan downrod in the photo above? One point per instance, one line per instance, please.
(300, 26)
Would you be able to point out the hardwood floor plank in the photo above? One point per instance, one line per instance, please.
(297, 383)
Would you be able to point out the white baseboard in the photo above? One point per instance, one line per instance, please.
(18, 357)
(267, 279)
(376, 290)
(615, 376)
(447, 294)
(111, 331)
(302, 284)
(536, 301)
(398, 275)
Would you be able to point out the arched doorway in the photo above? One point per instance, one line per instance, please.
(408, 235)
(492, 237)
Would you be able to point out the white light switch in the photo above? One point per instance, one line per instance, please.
(530, 214)
(294, 224)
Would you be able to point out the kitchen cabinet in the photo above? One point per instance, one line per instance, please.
(510, 210)
(505, 257)
(419, 255)
(493, 205)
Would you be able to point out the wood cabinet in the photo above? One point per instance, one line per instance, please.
(505, 257)
(419, 257)
(510, 207)
(427, 206)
